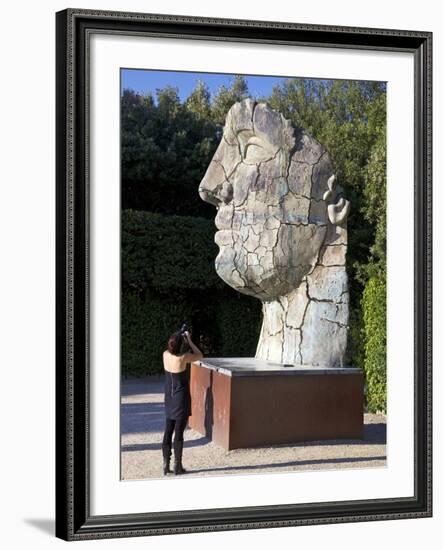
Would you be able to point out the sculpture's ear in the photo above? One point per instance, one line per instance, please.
(329, 194)
(337, 212)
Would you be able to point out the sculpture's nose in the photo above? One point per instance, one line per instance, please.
(208, 195)
(212, 185)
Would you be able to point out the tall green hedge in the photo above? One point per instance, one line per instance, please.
(239, 321)
(374, 316)
(168, 277)
(161, 252)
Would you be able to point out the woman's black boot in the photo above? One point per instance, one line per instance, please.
(166, 459)
(178, 453)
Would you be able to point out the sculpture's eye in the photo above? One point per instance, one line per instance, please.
(243, 138)
(253, 148)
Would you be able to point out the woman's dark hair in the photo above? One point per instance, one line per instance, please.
(175, 343)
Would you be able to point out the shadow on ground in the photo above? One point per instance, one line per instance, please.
(293, 463)
(142, 418)
(157, 446)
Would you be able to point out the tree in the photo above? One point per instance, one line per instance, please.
(166, 147)
(226, 97)
(199, 102)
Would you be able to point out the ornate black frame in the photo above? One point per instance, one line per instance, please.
(73, 518)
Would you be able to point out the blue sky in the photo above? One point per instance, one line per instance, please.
(142, 81)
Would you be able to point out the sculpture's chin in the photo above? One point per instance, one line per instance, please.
(224, 238)
(225, 264)
(229, 266)
(253, 280)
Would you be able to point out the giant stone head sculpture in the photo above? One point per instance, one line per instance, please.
(282, 235)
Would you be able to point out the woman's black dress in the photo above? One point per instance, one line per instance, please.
(177, 395)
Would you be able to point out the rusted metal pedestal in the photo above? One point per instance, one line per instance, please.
(244, 402)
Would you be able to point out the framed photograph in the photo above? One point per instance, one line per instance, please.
(243, 285)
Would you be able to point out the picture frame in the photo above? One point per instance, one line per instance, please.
(74, 519)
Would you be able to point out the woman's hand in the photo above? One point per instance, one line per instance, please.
(187, 335)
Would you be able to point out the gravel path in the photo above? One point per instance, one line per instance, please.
(142, 424)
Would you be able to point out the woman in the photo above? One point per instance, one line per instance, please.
(177, 398)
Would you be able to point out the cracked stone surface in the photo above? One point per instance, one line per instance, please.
(281, 221)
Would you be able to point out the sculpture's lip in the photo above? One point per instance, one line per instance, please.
(223, 218)
(225, 237)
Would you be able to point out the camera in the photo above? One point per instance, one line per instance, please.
(185, 347)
